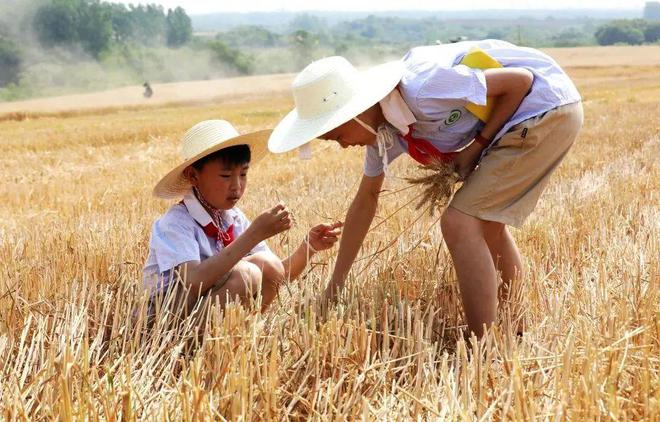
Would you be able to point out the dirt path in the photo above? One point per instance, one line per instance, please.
(177, 92)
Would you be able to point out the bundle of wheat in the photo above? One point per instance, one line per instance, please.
(438, 182)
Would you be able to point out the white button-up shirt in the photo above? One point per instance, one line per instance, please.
(436, 89)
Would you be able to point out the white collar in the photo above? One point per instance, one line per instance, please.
(199, 213)
(396, 111)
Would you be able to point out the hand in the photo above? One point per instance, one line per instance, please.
(271, 222)
(324, 236)
(467, 160)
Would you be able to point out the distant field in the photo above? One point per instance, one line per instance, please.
(268, 85)
(76, 216)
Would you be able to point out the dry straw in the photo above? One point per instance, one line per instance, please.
(438, 185)
(76, 342)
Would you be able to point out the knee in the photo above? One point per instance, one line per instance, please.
(457, 226)
(246, 278)
(270, 266)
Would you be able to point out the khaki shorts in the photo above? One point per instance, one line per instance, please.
(507, 183)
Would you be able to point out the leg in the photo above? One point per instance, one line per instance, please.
(508, 262)
(273, 275)
(243, 282)
(474, 266)
(505, 254)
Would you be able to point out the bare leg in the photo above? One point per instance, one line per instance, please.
(508, 262)
(506, 255)
(474, 266)
(272, 275)
(243, 283)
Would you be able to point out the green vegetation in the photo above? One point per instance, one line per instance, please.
(51, 47)
(633, 31)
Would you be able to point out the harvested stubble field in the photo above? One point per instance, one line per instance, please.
(76, 215)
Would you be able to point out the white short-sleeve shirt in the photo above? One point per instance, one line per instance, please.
(177, 238)
(436, 88)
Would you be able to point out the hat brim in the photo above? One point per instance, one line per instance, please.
(377, 82)
(175, 185)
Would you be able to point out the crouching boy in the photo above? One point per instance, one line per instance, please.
(204, 247)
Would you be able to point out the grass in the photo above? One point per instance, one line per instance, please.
(77, 213)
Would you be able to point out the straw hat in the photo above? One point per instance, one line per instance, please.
(204, 139)
(328, 93)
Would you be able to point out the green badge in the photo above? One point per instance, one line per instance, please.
(454, 116)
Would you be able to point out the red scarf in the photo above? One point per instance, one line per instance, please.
(424, 152)
(213, 219)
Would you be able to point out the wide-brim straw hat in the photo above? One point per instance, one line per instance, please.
(204, 139)
(328, 93)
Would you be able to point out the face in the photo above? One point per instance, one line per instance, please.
(350, 134)
(220, 185)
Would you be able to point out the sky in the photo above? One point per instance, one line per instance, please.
(197, 7)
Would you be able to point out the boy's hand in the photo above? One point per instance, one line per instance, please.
(271, 222)
(324, 236)
(467, 159)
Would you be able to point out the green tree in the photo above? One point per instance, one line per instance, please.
(10, 62)
(249, 36)
(66, 22)
(56, 22)
(178, 27)
(95, 27)
(122, 22)
(233, 58)
(652, 31)
(149, 24)
(621, 31)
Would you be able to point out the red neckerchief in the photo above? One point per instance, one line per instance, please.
(211, 223)
(224, 236)
(424, 152)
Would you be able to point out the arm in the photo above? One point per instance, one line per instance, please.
(358, 219)
(509, 85)
(297, 261)
(320, 238)
(202, 276)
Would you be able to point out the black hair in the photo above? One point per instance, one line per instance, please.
(234, 156)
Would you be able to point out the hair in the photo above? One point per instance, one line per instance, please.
(234, 156)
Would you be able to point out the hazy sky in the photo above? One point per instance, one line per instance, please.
(209, 6)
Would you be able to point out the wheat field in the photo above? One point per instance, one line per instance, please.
(76, 216)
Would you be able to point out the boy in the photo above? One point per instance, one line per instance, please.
(206, 240)
(430, 105)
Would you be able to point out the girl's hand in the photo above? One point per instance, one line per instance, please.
(324, 236)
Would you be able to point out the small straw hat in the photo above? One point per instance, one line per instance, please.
(204, 139)
(328, 93)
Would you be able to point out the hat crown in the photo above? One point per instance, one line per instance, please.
(325, 86)
(205, 135)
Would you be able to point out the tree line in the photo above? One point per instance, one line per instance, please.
(95, 25)
(40, 43)
(136, 41)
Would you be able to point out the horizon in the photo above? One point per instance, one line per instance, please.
(204, 7)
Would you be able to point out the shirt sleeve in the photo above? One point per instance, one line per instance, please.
(455, 83)
(373, 163)
(173, 244)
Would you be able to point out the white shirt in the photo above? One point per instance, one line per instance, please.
(177, 238)
(436, 89)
